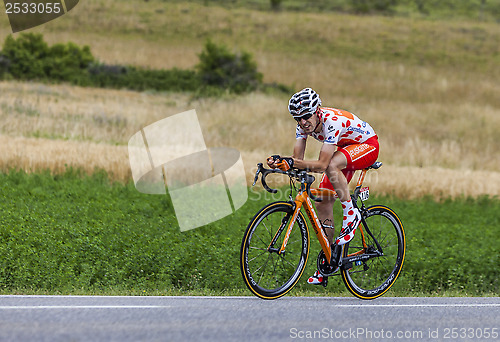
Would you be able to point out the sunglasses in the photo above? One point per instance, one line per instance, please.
(305, 117)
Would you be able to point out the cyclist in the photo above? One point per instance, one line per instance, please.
(349, 144)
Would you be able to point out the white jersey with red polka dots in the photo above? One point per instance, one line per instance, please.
(340, 128)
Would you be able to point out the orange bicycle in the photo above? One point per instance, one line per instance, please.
(275, 246)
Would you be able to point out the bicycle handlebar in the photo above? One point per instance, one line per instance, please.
(302, 176)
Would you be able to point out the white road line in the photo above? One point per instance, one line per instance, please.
(415, 305)
(66, 307)
(44, 307)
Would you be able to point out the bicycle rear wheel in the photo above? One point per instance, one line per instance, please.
(266, 273)
(372, 278)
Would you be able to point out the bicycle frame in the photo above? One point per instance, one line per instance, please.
(302, 200)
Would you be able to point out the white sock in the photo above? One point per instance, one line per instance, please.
(348, 211)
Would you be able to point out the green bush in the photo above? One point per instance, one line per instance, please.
(68, 62)
(29, 57)
(4, 66)
(234, 72)
(24, 57)
(103, 75)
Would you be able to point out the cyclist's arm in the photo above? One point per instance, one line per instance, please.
(320, 165)
(298, 153)
(299, 149)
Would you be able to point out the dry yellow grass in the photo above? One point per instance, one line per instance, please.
(36, 154)
(66, 112)
(55, 126)
(440, 183)
(254, 122)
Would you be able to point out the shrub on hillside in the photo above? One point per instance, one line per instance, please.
(24, 57)
(4, 66)
(68, 62)
(219, 67)
(29, 57)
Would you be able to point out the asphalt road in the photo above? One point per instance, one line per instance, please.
(90, 318)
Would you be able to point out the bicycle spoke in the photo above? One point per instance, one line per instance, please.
(265, 226)
(259, 249)
(381, 241)
(283, 258)
(262, 265)
(392, 239)
(263, 242)
(293, 242)
(263, 270)
(255, 257)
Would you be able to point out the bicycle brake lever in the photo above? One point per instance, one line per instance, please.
(264, 173)
(259, 166)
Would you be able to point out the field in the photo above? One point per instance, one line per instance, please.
(81, 235)
(428, 87)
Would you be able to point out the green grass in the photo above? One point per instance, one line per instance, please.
(76, 234)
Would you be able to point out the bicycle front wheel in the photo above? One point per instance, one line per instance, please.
(371, 278)
(266, 272)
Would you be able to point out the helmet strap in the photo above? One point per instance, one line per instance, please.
(319, 121)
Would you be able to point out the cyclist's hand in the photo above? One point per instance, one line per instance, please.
(272, 161)
(284, 164)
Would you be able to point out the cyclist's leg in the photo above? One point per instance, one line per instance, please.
(324, 209)
(351, 215)
(325, 215)
(358, 156)
(337, 177)
(363, 157)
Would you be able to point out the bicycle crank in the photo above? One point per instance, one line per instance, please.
(324, 267)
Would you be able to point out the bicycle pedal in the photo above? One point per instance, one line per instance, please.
(325, 281)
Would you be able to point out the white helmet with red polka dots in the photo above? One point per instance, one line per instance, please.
(304, 102)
